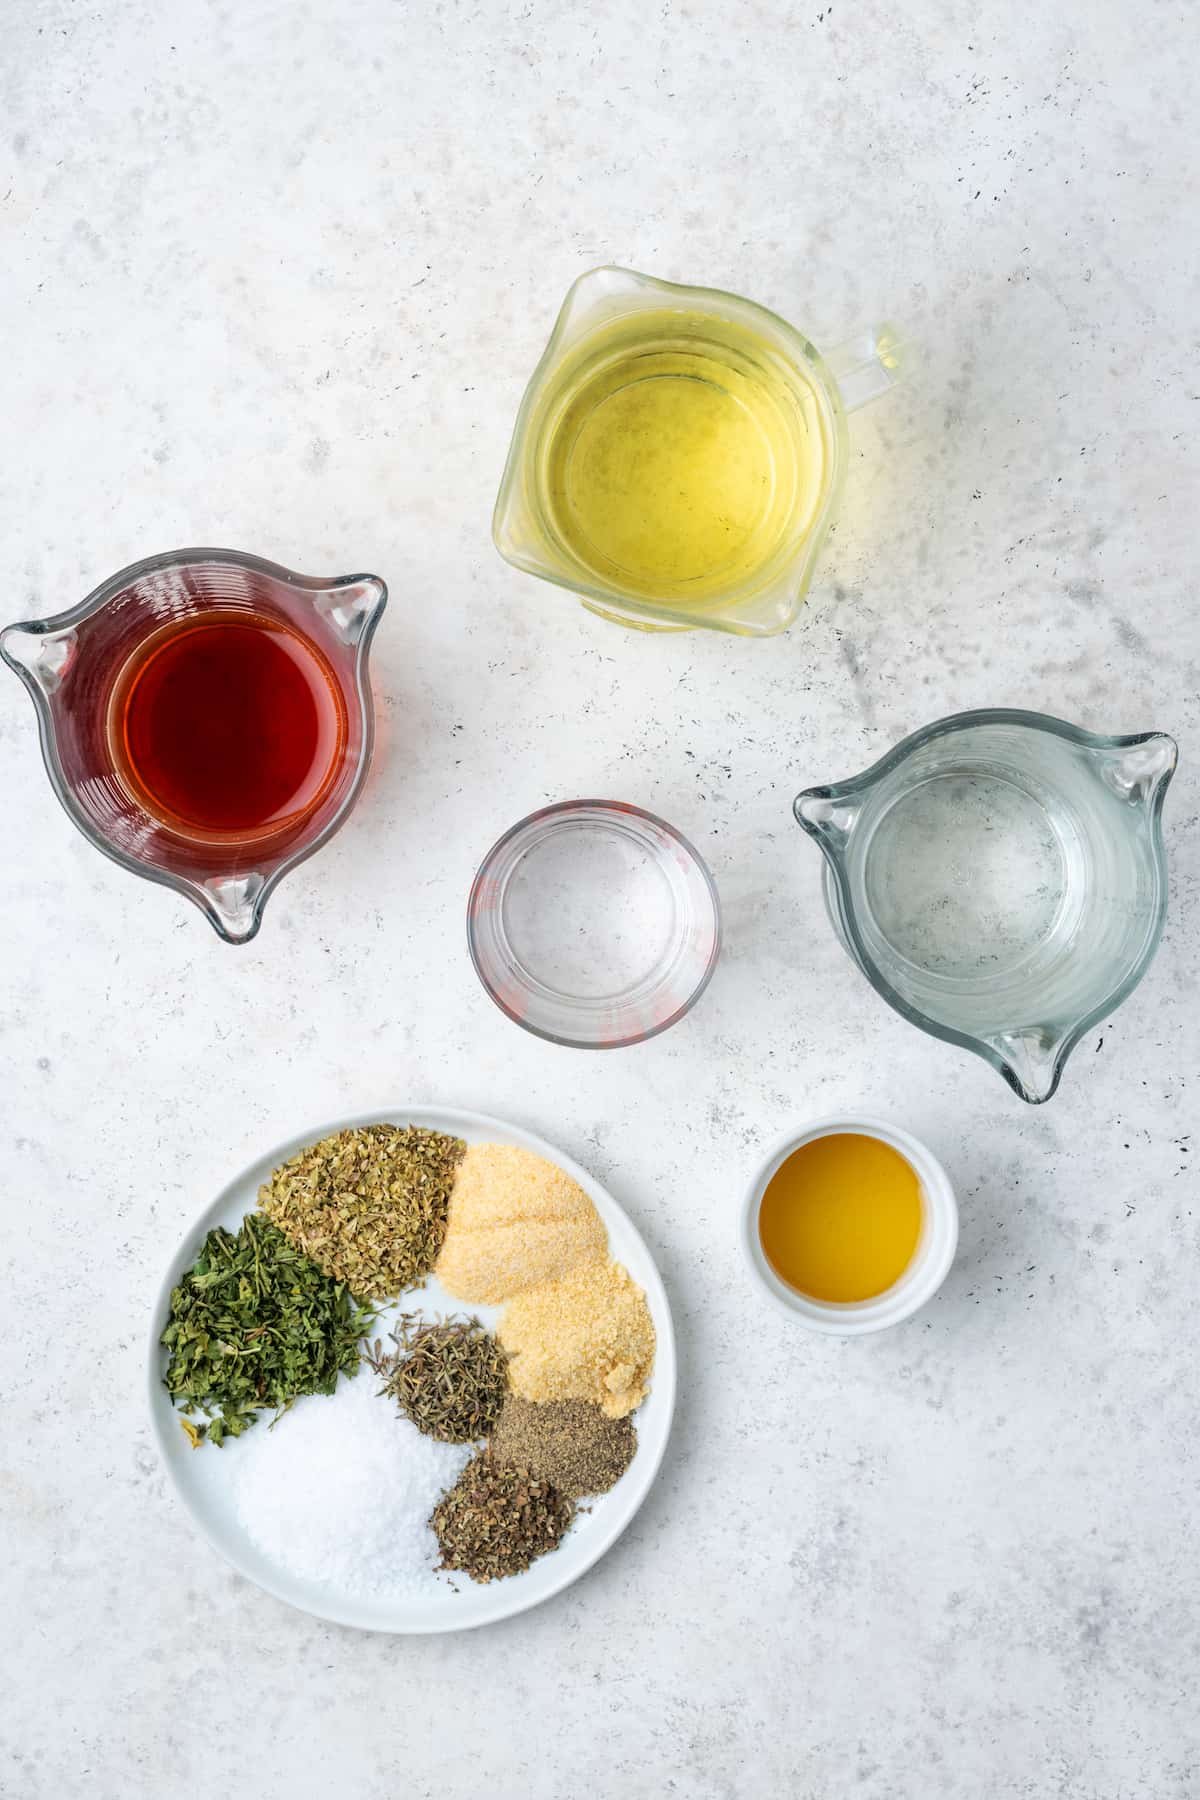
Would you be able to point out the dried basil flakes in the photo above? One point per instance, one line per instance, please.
(254, 1324)
(368, 1204)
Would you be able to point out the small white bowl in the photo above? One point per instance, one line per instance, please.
(921, 1279)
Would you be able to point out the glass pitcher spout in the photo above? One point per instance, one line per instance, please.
(223, 807)
(1032, 1060)
(41, 657)
(1000, 879)
(868, 365)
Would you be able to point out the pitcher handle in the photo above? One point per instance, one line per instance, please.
(867, 365)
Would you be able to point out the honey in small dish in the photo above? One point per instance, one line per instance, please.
(841, 1217)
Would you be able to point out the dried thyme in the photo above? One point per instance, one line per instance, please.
(497, 1519)
(368, 1204)
(448, 1378)
(255, 1324)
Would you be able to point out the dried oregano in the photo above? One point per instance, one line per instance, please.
(448, 1377)
(497, 1519)
(368, 1204)
(255, 1324)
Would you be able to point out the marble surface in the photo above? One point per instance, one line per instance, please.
(273, 276)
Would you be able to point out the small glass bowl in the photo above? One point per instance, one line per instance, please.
(594, 924)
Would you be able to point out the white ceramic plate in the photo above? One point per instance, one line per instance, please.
(202, 1476)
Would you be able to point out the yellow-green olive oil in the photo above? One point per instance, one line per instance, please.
(679, 455)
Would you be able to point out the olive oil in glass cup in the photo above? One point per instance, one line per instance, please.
(679, 453)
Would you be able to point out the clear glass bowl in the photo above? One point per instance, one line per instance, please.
(594, 924)
(1000, 879)
(72, 665)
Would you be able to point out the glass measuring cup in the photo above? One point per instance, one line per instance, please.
(679, 453)
(76, 666)
(1000, 879)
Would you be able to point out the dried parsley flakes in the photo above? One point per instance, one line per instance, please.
(496, 1520)
(449, 1378)
(255, 1324)
(368, 1204)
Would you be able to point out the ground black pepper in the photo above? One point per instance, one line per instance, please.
(570, 1443)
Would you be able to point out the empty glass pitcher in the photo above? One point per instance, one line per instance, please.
(206, 719)
(1000, 879)
(679, 453)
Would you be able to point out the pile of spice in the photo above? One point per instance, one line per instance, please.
(570, 1443)
(368, 1205)
(340, 1493)
(497, 1519)
(254, 1324)
(449, 1378)
(587, 1337)
(515, 1221)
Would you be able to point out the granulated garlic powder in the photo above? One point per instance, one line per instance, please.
(515, 1221)
(588, 1336)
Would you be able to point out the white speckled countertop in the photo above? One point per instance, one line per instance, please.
(273, 275)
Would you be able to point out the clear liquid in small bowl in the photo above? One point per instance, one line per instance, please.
(593, 923)
(590, 912)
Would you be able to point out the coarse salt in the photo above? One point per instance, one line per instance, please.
(339, 1491)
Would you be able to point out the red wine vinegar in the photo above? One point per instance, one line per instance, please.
(227, 725)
